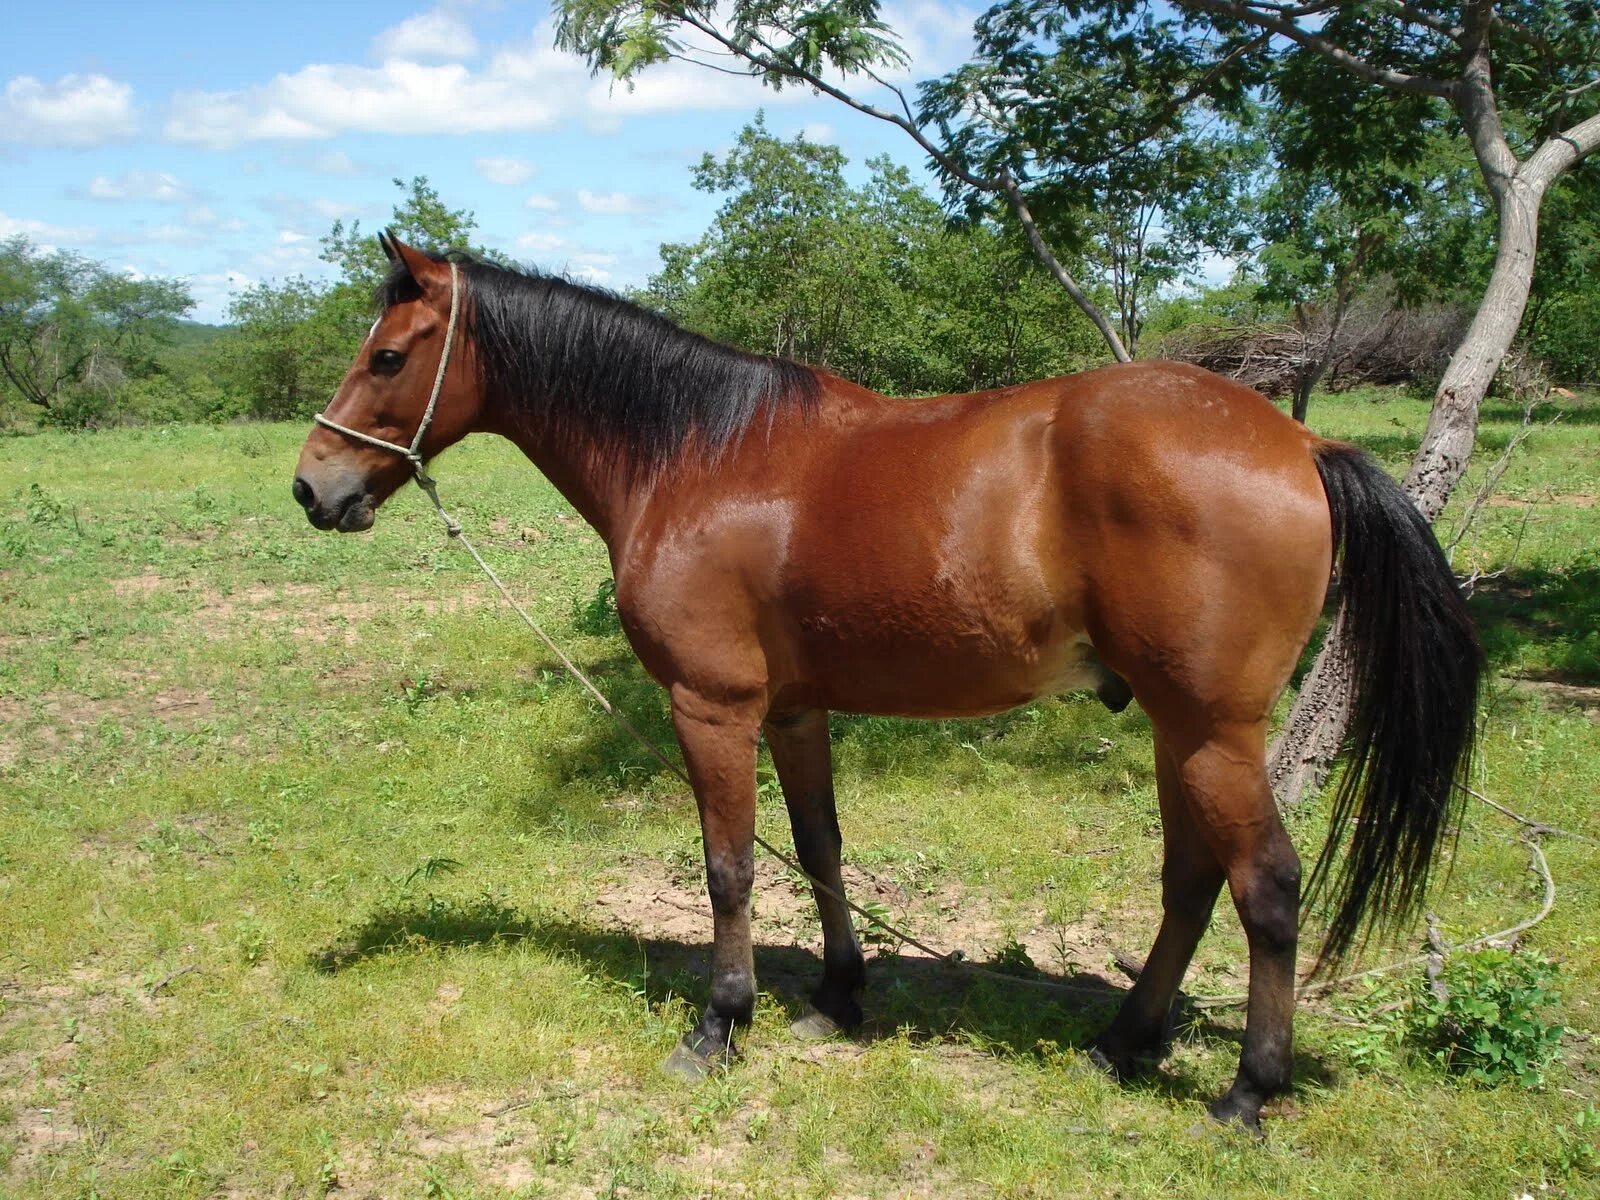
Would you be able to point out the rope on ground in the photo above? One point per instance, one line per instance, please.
(1531, 830)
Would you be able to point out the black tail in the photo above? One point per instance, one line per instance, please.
(1414, 661)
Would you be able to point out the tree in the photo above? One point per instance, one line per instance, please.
(1563, 321)
(1523, 80)
(294, 338)
(291, 344)
(420, 218)
(1088, 108)
(1013, 119)
(67, 322)
(871, 282)
(1333, 220)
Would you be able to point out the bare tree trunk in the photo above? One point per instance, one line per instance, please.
(1453, 423)
(1311, 737)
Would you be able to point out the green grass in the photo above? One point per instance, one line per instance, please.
(316, 873)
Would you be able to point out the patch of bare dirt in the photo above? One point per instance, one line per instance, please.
(54, 721)
(1560, 499)
(1562, 697)
(307, 610)
(50, 1020)
(654, 899)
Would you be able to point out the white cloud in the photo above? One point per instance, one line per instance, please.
(542, 203)
(432, 36)
(159, 186)
(336, 163)
(212, 290)
(322, 100)
(297, 210)
(203, 217)
(46, 235)
(522, 86)
(817, 132)
(505, 171)
(613, 204)
(76, 110)
(540, 242)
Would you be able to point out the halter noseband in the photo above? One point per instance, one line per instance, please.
(413, 453)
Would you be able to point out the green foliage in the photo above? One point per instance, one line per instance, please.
(1487, 1023)
(1563, 320)
(73, 331)
(294, 338)
(291, 343)
(870, 281)
(1483, 1020)
(1118, 171)
(420, 218)
(597, 616)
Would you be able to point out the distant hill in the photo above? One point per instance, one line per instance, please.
(195, 335)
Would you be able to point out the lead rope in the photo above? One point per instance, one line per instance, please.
(952, 958)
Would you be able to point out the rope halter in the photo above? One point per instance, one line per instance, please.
(413, 453)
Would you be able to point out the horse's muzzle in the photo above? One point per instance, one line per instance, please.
(348, 510)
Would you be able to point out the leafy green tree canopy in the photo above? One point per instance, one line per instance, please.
(869, 281)
(68, 322)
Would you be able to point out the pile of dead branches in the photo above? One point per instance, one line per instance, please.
(1378, 343)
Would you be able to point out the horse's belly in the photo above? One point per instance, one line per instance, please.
(965, 676)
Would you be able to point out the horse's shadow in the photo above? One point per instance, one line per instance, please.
(1015, 1013)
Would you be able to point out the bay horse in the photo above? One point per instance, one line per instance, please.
(786, 543)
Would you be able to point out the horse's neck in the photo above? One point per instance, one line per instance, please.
(602, 495)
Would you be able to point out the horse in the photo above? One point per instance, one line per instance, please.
(786, 544)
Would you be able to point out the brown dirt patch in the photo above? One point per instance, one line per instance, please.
(308, 611)
(1559, 499)
(1562, 697)
(54, 721)
(654, 899)
(50, 1020)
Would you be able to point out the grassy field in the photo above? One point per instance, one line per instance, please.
(316, 876)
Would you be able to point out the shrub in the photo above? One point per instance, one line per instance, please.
(1483, 1020)
(1487, 1023)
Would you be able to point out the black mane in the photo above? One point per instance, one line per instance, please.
(598, 364)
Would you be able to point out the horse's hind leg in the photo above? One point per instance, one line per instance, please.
(1191, 877)
(1224, 780)
(800, 751)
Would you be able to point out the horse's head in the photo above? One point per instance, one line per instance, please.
(341, 477)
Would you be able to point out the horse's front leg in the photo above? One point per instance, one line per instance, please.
(718, 739)
(800, 751)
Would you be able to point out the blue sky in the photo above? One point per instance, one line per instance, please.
(218, 142)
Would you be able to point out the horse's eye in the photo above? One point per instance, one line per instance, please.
(387, 361)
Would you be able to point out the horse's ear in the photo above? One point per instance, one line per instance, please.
(428, 275)
(386, 243)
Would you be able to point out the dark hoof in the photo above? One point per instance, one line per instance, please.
(688, 1064)
(813, 1025)
(1238, 1114)
(1122, 1065)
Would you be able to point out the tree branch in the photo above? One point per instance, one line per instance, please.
(1397, 81)
(1192, 92)
(1042, 250)
(781, 64)
(1561, 152)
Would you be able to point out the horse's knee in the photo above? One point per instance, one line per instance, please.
(729, 879)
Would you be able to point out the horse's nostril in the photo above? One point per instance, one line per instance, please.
(303, 494)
